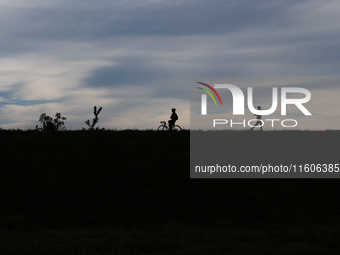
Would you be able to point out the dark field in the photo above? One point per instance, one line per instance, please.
(129, 192)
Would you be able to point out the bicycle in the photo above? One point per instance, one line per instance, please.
(165, 127)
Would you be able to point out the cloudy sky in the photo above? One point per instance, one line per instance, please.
(136, 58)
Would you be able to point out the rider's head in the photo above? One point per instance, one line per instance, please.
(173, 109)
(259, 107)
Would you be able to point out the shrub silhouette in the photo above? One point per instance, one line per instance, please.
(52, 124)
(95, 120)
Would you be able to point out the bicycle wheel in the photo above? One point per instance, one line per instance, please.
(162, 128)
(177, 128)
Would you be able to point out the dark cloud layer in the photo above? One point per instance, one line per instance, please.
(90, 20)
(128, 72)
(156, 47)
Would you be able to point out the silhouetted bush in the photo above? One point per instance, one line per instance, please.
(52, 124)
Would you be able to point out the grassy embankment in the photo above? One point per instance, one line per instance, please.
(120, 192)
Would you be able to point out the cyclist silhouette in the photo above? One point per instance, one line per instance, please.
(173, 118)
(259, 121)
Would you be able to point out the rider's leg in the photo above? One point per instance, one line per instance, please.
(257, 123)
(170, 124)
(261, 124)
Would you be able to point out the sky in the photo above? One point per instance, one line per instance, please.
(135, 59)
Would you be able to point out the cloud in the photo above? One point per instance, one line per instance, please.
(136, 59)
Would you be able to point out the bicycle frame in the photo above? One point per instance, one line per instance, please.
(166, 127)
(164, 124)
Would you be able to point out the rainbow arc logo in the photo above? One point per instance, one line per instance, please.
(207, 91)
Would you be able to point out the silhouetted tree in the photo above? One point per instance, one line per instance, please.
(95, 120)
